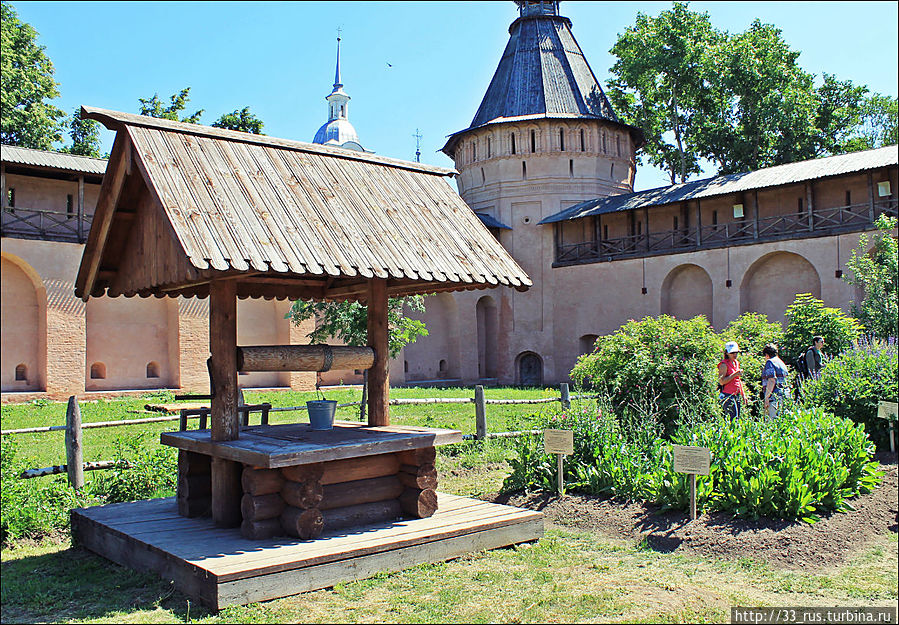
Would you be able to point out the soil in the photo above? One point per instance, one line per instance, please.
(782, 544)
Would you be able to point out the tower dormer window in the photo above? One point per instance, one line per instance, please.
(512, 137)
(562, 139)
(533, 141)
(489, 148)
(583, 141)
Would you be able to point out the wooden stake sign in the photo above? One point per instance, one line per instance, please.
(888, 410)
(692, 461)
(561, 443)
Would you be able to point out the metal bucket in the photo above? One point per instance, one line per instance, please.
(321, 413)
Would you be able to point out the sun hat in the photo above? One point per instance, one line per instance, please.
(731, 347)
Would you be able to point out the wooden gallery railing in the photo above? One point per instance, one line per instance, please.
(819, 221)
(47, 225)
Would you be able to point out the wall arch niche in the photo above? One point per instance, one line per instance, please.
(687, 292)
(586, 344)
(772, 282)
(23, 307)
(487, 329)
(530, 369)
(123, 335)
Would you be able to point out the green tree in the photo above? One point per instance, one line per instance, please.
(348, 321)
(240, 119)
(153, 107)
(878, 125)
(660, 83)
(808, 317)
(27, 118)
(877, 274)
(839, 114)
(85, 134)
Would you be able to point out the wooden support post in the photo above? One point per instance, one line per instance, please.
(692, 496)
(810, 206)
(364, 403)
(480, 413)
(871, 197)
(74, 450)
(698, 222)
(223, 349)
(755, 207)
(378, 378)
(226, 492)
(81, 209)
(566, 397)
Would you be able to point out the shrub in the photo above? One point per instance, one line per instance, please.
(659, 360)
(36, 507)
(142, 472)
(798, 466)
(852, 384)
(807, 317)
(878, 275)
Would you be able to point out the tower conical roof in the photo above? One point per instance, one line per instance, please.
(542, 73)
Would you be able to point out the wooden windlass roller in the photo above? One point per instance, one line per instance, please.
(303, 357)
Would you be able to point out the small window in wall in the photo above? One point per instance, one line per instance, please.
(474, 151)
(358, 371)
(11, 197)
(21, 372)
(562, 139)
(675, 223)
(483, 177)
(512, 137)
(639, 227)
(489, 148)
(848, 198)
(605, 232)
(533, 141)
(738, 211)
(604, 144)
(70, 205)
(442, 366)
(583, 141)
(524, 170)
(98, 371)
(618, 145)
(612, 171)
(571, 168)
(714, 218)
(405, 366)
(152, 369)
(883, 189)
(342, 114)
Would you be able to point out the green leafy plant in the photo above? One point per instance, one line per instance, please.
(852, 384)
(877, 274)
(659, 360)
(142, 472)
(808, 317)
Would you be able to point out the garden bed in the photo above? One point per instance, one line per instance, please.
(781, 544)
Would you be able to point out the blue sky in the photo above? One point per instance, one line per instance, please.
(278, 57)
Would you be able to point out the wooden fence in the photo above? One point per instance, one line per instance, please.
(75, 465)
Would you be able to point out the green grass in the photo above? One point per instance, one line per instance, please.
(48, 448)
(565, 577)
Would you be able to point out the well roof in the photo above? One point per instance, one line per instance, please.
(183, 204)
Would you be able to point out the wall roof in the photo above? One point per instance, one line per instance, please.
(53, 160)
(779, 175)
(237, 202)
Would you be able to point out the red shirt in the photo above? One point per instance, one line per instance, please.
(735, 386)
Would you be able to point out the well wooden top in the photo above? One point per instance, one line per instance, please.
(275, 446)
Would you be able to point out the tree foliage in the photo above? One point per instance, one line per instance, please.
(27, 118)
(154, 107)
(85, 135)
(348, 321)
(740, 101)
(877, 274)
(808, 317)
(240, 119)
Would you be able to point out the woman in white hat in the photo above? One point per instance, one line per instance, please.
(730, 384)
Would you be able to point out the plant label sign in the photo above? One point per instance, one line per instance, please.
(887, 410)
(695, 460)
(558, 442)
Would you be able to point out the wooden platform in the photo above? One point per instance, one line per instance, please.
(219, 568)
(275, 446)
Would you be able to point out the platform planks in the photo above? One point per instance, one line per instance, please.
(219, 567)
(275, 446)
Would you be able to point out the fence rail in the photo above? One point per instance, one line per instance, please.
(45, 224)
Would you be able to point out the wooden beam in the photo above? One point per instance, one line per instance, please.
(348, 290)
(113, 182)
(378, 378)
(81, 209)
(223, 349)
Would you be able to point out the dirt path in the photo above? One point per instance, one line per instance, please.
(783, 544)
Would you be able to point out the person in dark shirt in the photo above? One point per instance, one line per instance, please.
(813, 357)
(774, 380)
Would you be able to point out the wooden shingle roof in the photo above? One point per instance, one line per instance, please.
(194, 203)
